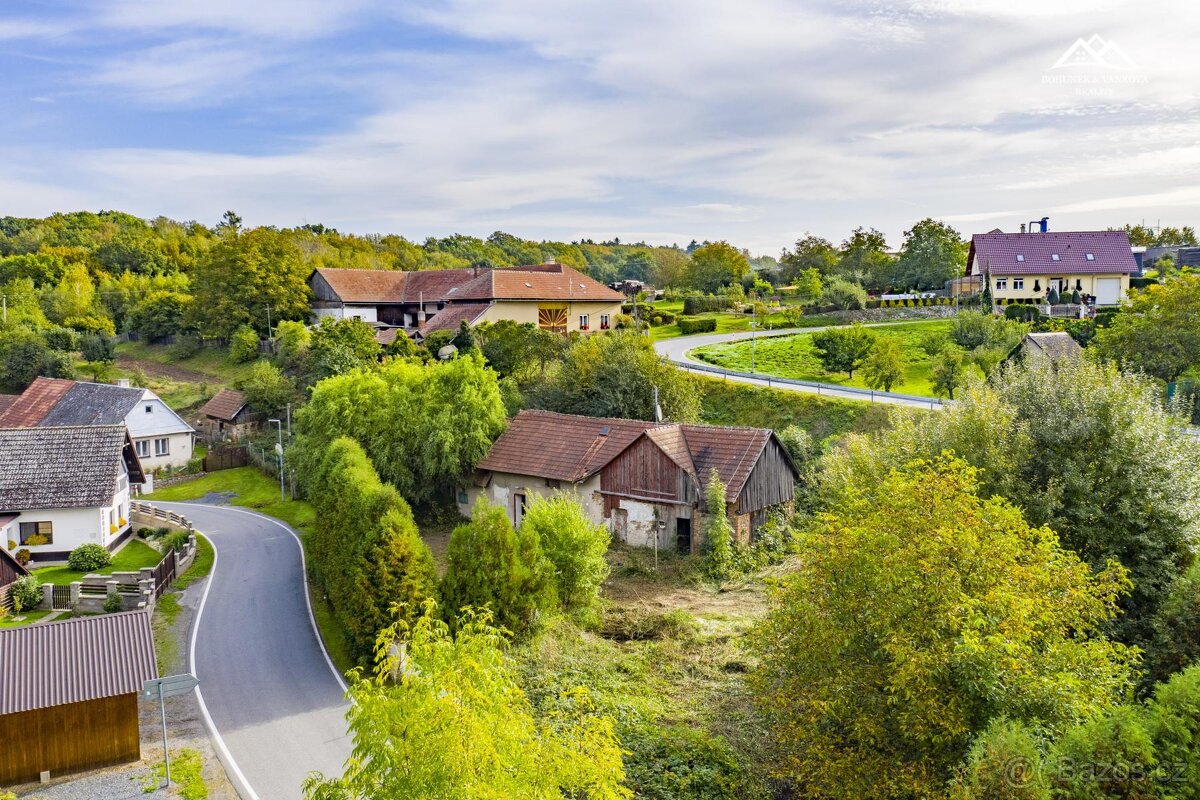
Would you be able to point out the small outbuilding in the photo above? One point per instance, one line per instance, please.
(228, 415)
(1052, 347)
(69, 694)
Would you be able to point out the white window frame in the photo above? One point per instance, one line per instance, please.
(1054, 257)
(142, 446)
(162, 447)
(584, 320)
(1018, 284)
(1001, 284)
(604, 322)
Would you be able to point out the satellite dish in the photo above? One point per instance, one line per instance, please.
(448, 352)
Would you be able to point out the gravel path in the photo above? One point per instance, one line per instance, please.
(123, 784)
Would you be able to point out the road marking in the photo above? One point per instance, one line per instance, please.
(224, 755)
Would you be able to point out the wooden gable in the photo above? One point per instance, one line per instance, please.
(644, 471)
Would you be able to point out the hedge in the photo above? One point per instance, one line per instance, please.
(700, 305)
(701, 325)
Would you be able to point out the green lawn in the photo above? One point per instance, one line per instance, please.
(130, 558)
(182, 383)
(795, 357)
(27, 618)
(728, 322)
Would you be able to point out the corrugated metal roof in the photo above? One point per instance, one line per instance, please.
(88, 658)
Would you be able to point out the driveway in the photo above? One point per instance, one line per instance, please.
(676, 350)
(274, 703)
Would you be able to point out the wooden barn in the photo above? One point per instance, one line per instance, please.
(69, 694)
(645, 480)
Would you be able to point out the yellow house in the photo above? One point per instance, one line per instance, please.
(1024, 267)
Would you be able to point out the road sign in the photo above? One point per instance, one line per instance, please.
(169, 686)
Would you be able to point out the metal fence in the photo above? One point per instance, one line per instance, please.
(831, 389)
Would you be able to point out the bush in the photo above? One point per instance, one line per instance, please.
(573, 545)
(113, 604)
(23, 556)
(845, 295)
(1004, 764)
(656, 320)
(145, 533)
(243, 346)
(89, 557)
(26, 594)
(706, 303)
(185, 347)
(63, 339)
(700, 325)
(673, 761)
(175, 540)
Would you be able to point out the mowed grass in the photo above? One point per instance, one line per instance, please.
(130, 558)
(728, 322)
(795, 357)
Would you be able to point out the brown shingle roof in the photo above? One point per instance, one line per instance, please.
(67, 467)
(1054, 344)
(225, 405)
(539, 282)
(449, 318)
(81, 659)
(560, 447)
(35, 402)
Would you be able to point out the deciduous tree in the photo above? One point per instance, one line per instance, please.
(1158, 332)
(574, 546)
(843, 349)
(884, 366)
(715, 265)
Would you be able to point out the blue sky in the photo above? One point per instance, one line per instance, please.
(754, 121)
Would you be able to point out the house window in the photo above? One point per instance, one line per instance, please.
(1079, 284)
(1037, 285)
(1091, 256)
(149, 408)
(461, 493)
(1020, 257)
(40, 532)
(552, 318)
(1054, 257)
(143, 448)
(1018, 284)
(583, 322)
(1001, 284)
(604, 322)
(162, 447)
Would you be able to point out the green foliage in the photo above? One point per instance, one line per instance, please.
(1173, 719)
(845, 294)
(1109, 758)
(64, 339)
(24, 355)
(863, 259)
(918, 613)
(574, 546)
(703, 304)
(113, 604)
(974, 329)
(469, 730)
(843, 349)
(292, 341)
(89, 557)
(1052, 297)
(947, 371)
(25, 593)
(176, 540)
(520, 350)
(366, 552)
(811, 254)
(243, 345)
(1020, 312)
(1004, 763)
(674, 761)
(687, 326)
(187, 773)
(267, 269)
(1176, 628)
(1157, 332)
(423, 426)
(98, 349)
(490, 565)
(160, 313)
(614, 375)
(933, 253)
(267, 389)
(338, 346)
(718, 532)
(715, 265)
(884, 365)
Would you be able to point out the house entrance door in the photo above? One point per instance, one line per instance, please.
(683, 535)
(518, 509)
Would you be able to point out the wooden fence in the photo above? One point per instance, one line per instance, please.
(225, 458)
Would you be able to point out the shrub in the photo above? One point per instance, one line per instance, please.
(1053, 297)
(113, 604)
(23, 556)
(1119, 742)
(1004, 764)
(1076, 297)
(573, 545)
(845, 294)
(656, 320)
(26, 594)
(699, 325)
(243, 346)
(175, 540)
(706, 303)
(37, 540)
(63, 339)
(89, 557)
(145, 533)
(674, 761)
(185, 347)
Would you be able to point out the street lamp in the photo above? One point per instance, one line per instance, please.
(279, 452)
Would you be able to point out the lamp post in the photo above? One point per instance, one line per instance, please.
(279, 453)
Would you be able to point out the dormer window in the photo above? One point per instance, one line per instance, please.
(1091, 257)
(1020, 257)
(1054, 257)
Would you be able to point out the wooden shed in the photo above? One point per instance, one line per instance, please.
(229, 416)
(69, 694)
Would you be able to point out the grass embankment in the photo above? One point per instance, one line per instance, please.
(795, 357)
(252, 489)
(731, 403)
(130, 558)
(182, 383)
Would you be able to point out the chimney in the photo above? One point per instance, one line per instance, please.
(1022, 227)
(123, 383)
(420, 310)
(550, 260)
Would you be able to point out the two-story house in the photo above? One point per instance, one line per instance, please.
(1024, 267)
(61, 487)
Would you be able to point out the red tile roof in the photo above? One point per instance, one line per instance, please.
(224, 405)
(35, 403)
(540, 282)
(448, 318)
(365, 285)
(732, 452)
(7, 400)
(997, 253)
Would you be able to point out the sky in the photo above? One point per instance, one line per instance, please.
(754, 121)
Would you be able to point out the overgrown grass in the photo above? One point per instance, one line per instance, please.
(187, 767)
(132, 557)
(795, 357)
(166, 647)
(201, 565)
(210, 361)
(732, 403)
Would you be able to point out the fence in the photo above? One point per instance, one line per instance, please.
(225, 458)
(831, 389)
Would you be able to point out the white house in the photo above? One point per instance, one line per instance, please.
(160, 436)
(61, 487)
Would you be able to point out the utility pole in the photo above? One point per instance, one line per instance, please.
(4, 298)
(753, 326)
(268, 320)
(279, 452)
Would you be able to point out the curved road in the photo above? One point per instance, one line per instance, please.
(274, 704)
(676, 351)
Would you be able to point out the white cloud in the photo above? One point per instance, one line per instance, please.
(189, 70)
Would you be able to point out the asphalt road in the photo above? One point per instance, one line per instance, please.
(676, 350)
(275, 705)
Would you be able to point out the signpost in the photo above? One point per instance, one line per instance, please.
(162, 688)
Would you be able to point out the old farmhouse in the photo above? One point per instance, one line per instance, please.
(1024, 267)
(644, 480)
(552, 296)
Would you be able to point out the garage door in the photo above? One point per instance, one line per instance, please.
(1108, 291)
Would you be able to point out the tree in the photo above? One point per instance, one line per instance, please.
(521, 350)
(24, 356)
(423, 426)
(670, 267)
(243, 345)
(159, 314)
(270, 276)
(918, 613)
(73, 296)
(1084, 449)
(885, 364)
(810, 253)
(843, 349)
(490, 565)
(1157, 332)
(1176, 640)
(933, 253)
(863, 258)
(845, 294)
(615, 375)
(267, 389)
(337, 346)
(444, 716)
(99, 351)
(808, 287)
(715, 265)
(292, 342)
(718, 533)
(574, 546)
(947, 371)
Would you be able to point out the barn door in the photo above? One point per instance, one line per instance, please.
(620, 518)
(518, 509)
